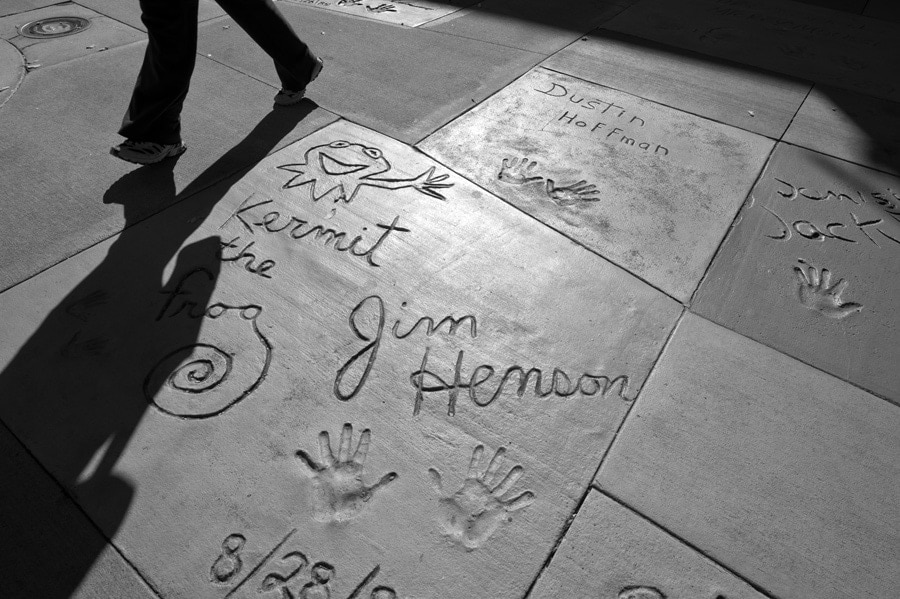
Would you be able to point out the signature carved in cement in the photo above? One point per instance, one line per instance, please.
(817, 293)
(339, 492)
(472, 514)
(202, 380)
(338, 170)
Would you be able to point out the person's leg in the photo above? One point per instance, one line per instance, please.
(154, 114)
(294, 62)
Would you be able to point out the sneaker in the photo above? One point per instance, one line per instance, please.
(146, 152)
(286, 97)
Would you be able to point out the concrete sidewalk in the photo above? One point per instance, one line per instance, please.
(527, 299)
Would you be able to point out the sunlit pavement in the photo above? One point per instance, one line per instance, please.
(569, 299)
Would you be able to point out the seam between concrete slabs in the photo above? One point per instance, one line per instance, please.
(593, 478)
(700, 56)
(595, 485)
(756, 587)
(725, 232)
(557, 231)
(746, 201)
(81, 511)
(425, 27)
(216, 181)
(669, 106)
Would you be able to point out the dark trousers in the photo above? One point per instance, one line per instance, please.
(154, 113)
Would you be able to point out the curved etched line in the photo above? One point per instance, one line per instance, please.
(171, 379)
(21, 67)
(263, 372)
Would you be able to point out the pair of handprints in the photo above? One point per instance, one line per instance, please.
(516, 171)
(469, 516)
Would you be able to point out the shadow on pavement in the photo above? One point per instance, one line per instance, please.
(78, 388)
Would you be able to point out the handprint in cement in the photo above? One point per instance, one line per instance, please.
(817, 293)
(472, 514)
(339, 493)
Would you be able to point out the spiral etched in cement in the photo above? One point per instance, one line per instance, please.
(202, 380)
(206, 367)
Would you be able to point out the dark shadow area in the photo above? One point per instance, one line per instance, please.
(80, 385)
(726, 48)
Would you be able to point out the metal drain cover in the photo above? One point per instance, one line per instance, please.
(54, 27)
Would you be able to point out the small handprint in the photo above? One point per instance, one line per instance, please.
(426, 183)
(339, 493)
(84, 308)
(572, 194)
(817, 293)
(78, 347)
(476, 510)
(518, 172)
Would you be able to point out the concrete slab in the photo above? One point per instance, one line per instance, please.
(52, 550)
(402, 82)
(130, 12)
(410, 13)
(201, 357)
(885, 10)
(812, 267)
(760, 101)
(11, 7)
(531, 25)
(649, 187)
(807, 42)
(102, 34)
(611, 552)
(228, 124)
(12, 70)
(851, 126)
(780, 472)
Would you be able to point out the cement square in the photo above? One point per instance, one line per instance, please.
(812, 268)
(759, 101)
(534, 25)
(406, 87)
(11, 7)
(851, 126)
(228, 123)
(347, 286)
(648, 187)
(808, 42)
(610, 551)
(130, 12)
(410, 13)
(783, 474)
(52, 550)
(102, 34)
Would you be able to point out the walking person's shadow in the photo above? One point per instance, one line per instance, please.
(79, 386)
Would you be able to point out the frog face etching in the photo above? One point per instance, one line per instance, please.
(337, 171)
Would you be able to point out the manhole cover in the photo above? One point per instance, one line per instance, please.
(54, 27)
